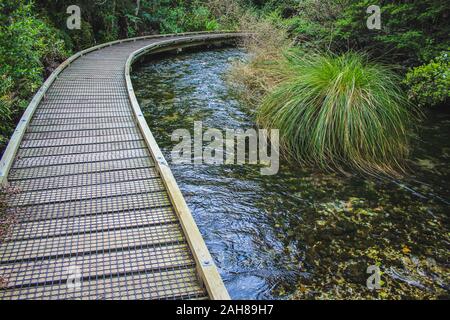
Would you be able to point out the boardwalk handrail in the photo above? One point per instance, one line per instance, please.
(205, 264)
(14, 143)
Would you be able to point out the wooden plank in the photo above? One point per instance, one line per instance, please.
(92, 192)
(63, 110)
(80, 133)
(80, 121)
(83, 243)
(92, 223)
(84, 115)
(79, 141)
(95, 266)
(86, 179)
(80, 149)
(172, 284)
(44, 161)
(126, 202)
(80, 127)
(82, 168)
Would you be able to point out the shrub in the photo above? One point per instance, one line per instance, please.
(411, 31)
(5, 108)
(27, 43)
(340, 111)
(315, 22)
(226, 13)
(199, 19)
(84, 38)
(428, 85)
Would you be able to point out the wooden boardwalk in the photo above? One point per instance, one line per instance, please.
(98, 212)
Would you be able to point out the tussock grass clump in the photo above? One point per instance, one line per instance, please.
(339, 112)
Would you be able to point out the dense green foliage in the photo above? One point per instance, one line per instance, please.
(429, 84)
(28, 44)
(104, 21)
(412, 32)
(340, 110)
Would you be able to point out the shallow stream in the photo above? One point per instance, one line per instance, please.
(301, 233)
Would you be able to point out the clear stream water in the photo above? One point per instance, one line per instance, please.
(302, 233)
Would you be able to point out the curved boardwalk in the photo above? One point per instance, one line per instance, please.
(93, 202)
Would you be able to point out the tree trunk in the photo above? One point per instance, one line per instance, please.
(138, 7)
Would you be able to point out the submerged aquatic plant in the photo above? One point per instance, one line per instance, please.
(340, 112)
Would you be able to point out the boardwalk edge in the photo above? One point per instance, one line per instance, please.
(207, 270)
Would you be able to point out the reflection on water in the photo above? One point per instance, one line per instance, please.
(302, 234)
